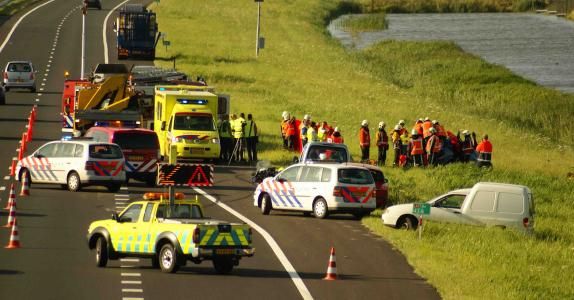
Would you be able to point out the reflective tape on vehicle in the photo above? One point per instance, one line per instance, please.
(139, 166)
(107, 168)
(39, 168)
(351, 194)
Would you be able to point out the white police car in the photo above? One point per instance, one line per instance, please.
(74, 164)
(318, 188)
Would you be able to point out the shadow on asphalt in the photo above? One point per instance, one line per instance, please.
(10, 272)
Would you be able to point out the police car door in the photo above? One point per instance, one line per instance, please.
(62, 161)
(282, 189)
(40, 163)
(309, 186)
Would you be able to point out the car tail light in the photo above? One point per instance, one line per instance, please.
(337, 191)
(525, 222)
(89, 166)
(196, 233)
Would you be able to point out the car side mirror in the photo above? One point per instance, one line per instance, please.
(114, 216)
(295, 159)
(162, 125)
(125, 219)
(38, 155)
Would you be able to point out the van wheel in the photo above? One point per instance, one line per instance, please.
(320, 209)
(73, 182)
(265, 204)
(223, 265)
(114, 187)
(407, 223)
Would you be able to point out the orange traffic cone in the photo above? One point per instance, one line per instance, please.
(332, 268)
(14, 242)
(25, 184)
(11, 214)
(12, 197)
(13, 167)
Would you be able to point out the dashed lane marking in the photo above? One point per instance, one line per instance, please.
(132, 290)
(131, 274)
(124, 188)
(131, 282)
(6, 177)
(127, 266)
(132, 298)
(299, 284)
(130, 259)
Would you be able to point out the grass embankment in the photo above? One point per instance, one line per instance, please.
(14, 6)
(363, 23)
(302, 71)
(451, 6)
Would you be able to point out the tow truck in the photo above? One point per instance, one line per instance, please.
(170, 233)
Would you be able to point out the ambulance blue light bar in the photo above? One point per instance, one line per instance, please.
(192, 101)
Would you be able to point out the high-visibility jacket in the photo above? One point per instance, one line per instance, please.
(440, 130)
(426, 126)
(322, 134)
(382, 139)
(237, 128)
(364, 137)
(312, 134)
(291, 128)
(303, 131)
(416, 146)
(250, 129)
(336, 139)
(419, 128)
(284, 127)
(404, 139)
(467, 145)
(484, 150)
(434, 144)
(224, 129)
(403, 131)
(396, 138)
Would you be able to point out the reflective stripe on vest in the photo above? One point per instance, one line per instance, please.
(237, 127)
(484, 156)
(249, 128)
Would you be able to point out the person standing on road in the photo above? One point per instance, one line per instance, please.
(251, 136)
(364, 141)
(225, 138)
(239, 135)
(382, 141)
(484, 150)
(433, 147)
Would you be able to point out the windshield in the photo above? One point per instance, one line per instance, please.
(105, 151)
(327, 154)
(136, 140)
(193, 122)
(179, 211)
(355, 176)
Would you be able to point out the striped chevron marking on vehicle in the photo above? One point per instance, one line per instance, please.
(141, 166)
(280, 192)
(108, 168)
(68, 121)
(40, 168)
(349, 194)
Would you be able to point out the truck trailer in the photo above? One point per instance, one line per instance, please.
(137, 32)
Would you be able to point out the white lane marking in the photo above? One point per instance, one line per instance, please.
(6, 177)
(131, 282)
(44, 79)
(129, 259)
(299, 284)
(132, 274)
(2, 188)
(126, 266)
(121, 195)
(18, 23)
(106, 58)
(43, 83)
(41, 89)
(124, 188)
(132, 291)
(37, 100)
(48, 67)
(132, 298)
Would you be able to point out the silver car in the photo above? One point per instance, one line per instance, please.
(19, 74)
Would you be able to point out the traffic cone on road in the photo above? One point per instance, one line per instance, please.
(14, 242)
(11, 215)
(332, 268)
(13, 167)
(12, 197)
(25, 184)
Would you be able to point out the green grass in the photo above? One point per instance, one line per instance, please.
(451, 6)
(363, 23)
(302, 70)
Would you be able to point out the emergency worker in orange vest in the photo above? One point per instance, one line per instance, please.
(364, 141)
(484, 150)
(290, 133)
(416, 149)
(419, 127)
(382, 140)
(427, 125)
(440, 132)
(336, 137)
(284, 125)
(468, 146)
(433, 147)
(396, 138)
(455, 145)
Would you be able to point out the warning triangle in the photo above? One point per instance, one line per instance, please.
(198, 177)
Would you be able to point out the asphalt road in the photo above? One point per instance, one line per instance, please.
(54, 261)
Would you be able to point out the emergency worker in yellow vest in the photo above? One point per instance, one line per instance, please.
(303, 130)
(225, 138)
(238, 134)
(396, 138)
(312, 133)
(404, 141)
(416, 149)
(382, 141)
(251, 136)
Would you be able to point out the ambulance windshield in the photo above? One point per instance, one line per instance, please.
(193, 122)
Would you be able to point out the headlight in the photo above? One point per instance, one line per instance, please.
(176, 140)
(215, 141)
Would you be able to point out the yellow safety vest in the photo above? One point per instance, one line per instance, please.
(237, 128)
(312, 134)
(224, 129)
(250, 128)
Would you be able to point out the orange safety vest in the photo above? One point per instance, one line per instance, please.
(426, 126)
(419, 128)
(382, 138)
(364, 137)
(284, 125)
(290, 128)
(437, 144)
(484, 150)
(336, 139)
(417, 146)
(440, 130)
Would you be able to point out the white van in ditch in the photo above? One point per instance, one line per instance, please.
(486, 204)
(74, 164)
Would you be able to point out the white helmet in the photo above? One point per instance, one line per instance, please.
(435, 122)
(427, 119)
(285, 115)
(307, 117)
(322, 156)
(414, 132)
(465, 132)
(432, 130)
(397, 127)
(336, 129)
(365, 123)
(382, 124)
(402, 122)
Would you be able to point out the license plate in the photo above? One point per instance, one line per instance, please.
(197, 151)
(358, 194)
(135, 157)
(225, 251)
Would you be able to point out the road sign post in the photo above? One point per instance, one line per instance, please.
(421, 209)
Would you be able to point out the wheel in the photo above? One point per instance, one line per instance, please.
(168, 259)
(155, 262)
(407, 223)
(73, 182)
(320, 209)
(266, 204)
(223, 265)
(101, 252)
(114, 187)
(33, 89)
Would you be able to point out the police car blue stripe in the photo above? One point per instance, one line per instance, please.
(279, 197)
(295, 198)
(129, 167)
(286, 197)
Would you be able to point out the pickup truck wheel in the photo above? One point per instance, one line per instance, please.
(320, 209)
(266, 204)
(74, 183)
(223, 265)
(168, 259)
(407, 223)
(101, 252)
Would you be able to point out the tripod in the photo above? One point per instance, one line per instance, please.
(236, 149)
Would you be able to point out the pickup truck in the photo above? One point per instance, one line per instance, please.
(169, 235)
(485, 204)
(324, 152)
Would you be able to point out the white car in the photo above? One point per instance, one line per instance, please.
(19, 74)
(318, 188)
(485, 204)
(74, 164)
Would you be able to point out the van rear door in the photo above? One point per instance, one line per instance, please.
(140, 148)
(106, 161)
